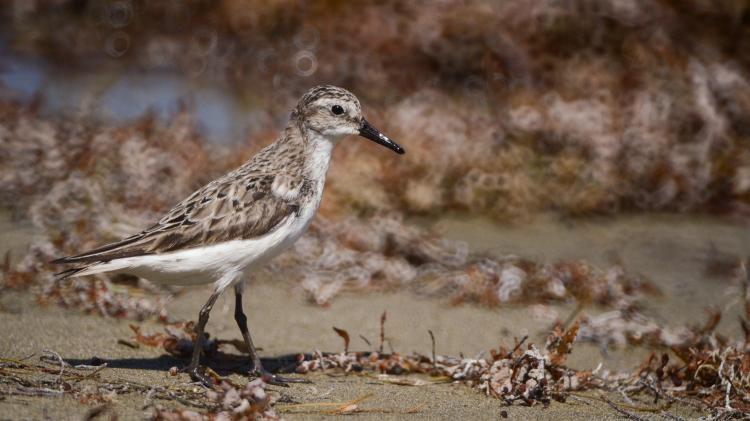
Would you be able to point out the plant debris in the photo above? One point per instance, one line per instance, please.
(521, 374)
(231, 403)
(384, 253)
(82, 382)
(178, 340)
(709, 373)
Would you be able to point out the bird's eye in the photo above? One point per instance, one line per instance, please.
(337, 109)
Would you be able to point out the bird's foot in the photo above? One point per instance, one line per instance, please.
(199, 374)
(275, 379)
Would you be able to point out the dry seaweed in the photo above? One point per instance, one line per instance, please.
(178, 339)
(521, 375)
(82, 382)
(225, 401)
(710, 373)
(230, 403)
(384, 253)
(712, 376)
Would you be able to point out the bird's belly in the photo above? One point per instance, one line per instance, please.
(282, 239)
(216, 262)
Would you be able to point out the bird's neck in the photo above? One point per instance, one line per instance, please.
(316, 149)
(318, 156)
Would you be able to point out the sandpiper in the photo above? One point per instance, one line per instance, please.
(227, 229)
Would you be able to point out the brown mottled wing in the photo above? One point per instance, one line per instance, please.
(223, 210)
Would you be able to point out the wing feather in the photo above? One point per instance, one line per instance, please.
(226, 209)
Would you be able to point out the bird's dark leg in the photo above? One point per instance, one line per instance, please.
(197, 373)
(258, 369)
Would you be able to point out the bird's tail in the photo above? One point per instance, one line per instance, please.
(70, 272)
(93, 268)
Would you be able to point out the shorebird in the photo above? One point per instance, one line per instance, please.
(230, 227)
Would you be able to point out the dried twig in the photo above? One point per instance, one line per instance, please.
(745, 281)
(366, 341)
(517, 347)
(97, 369)
(432, 339)
(621, 411)
(345, 335)
(60, 360)
(340, 407)
(666, 414)
(382, 331)
(129, 344)
(96, 411)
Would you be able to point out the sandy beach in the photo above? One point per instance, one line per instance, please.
(300, 327)
(284, 323)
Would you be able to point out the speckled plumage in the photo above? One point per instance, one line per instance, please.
(248, 202)
(228, 228)
(243, 204)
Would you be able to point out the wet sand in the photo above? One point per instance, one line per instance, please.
(690, 258)
(284, 323)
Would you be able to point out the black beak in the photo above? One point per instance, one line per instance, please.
(366, 130)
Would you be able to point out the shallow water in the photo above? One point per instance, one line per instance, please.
(691, 258)
(224, 114)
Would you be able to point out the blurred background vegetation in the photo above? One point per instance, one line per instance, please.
(507, 108)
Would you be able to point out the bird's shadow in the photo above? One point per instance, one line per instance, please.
(222, 363)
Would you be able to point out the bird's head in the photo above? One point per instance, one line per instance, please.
(334, 112)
